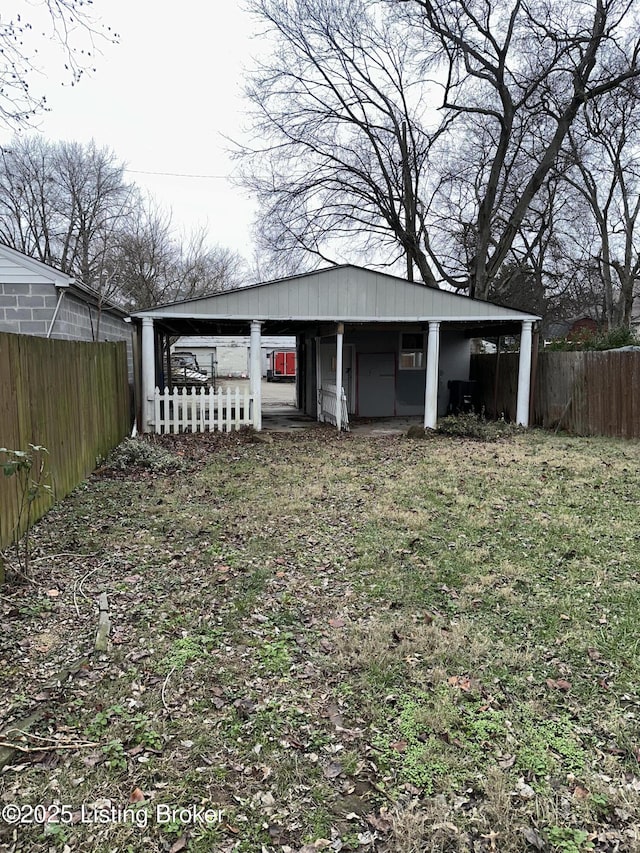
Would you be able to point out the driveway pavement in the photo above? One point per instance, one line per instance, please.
(276, 394)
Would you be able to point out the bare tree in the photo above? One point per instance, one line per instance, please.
(153, 266)
(344, 151)
(69, 205)
(200, 269)
(66, 23)
(355, 147)
(92, 202)
(523, 71)
(603, 166)
(62, 203)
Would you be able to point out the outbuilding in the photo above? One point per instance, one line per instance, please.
(369, 344)
(37, 299)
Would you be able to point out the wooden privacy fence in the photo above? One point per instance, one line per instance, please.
(585, 393)
(68, 396)
(201, 410)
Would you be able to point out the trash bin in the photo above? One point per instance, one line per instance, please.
(462, 396)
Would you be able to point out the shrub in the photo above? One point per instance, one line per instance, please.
(471, 425)
(587, 340)
(139, 453)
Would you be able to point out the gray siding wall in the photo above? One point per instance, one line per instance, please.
(455, 353)
(231, 360)
(341, 293)
(455, 362)
(232, 352)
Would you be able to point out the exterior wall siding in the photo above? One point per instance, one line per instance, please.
(455, 352)
(455, 363)
(341, 294)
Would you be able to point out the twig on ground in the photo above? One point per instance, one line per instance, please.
(46, 743)
(104, 624)
(164, 687)
(50, 748)
(64, 554)
(77, 588)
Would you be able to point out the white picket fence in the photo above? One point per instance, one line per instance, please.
(201, 410)
(327, 406)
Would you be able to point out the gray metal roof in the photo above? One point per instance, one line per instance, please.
(342, 293)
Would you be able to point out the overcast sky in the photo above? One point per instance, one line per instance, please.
(162, 99)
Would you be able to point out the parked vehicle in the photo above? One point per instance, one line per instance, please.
(185, 359)
(185, 370)
(282, 366)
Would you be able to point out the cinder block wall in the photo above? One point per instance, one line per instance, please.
(27, 309)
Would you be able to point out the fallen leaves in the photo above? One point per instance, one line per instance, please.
(332, 770)
(381, 822)
(534, 838)
(491, 837)
(462, 682)
(318, 610)
(558, 684)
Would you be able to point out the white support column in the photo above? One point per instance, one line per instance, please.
(148, 373)
(431, 389)
(319, 379)
(339, 346)
(524, 374)
(255, 372)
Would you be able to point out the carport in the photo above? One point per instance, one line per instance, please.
(368, 343)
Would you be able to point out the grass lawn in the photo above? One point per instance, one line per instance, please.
(341, 643)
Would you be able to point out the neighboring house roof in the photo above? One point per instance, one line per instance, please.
(18, 268)
(342, 294)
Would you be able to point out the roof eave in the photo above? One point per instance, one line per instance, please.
(480, 318)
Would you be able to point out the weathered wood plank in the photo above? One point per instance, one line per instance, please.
(587, 393)
(72, 398)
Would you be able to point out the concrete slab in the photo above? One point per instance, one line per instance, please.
(384, 426)
(287, 419)
(279, 412)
